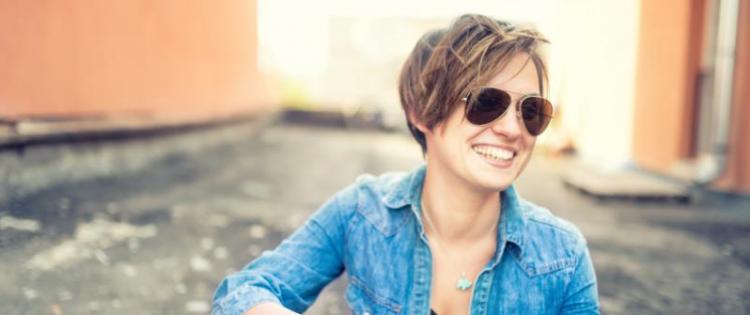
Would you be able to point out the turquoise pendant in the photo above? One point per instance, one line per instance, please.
(463, 284)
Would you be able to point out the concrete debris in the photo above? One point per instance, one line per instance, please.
(101, 257)
(197, 307)
(90, 237)
(200, 264)
(128, 270)
(221, 253)
(257, 231)
(8, 222)
(30, 293)
(207, 243)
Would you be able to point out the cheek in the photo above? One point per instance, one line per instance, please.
(528, 142)
(470, 131)
(462, 133)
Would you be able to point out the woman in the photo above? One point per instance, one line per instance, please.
(452, 236)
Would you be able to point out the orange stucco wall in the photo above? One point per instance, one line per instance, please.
(667, 68)
(136, 57)
(666, 100)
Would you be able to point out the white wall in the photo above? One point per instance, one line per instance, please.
(593, 66)
(592, 56)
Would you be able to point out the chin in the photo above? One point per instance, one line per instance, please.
(493, 181)
(496, 185)
(494, 175)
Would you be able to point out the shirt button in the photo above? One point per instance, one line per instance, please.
(366, 313)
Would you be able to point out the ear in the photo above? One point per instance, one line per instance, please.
(419, 125)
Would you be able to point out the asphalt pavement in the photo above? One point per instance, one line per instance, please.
(150, 225)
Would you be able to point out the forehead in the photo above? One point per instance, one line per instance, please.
(518, 76)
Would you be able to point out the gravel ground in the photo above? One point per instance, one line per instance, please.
(150, 226)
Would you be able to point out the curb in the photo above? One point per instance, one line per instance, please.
(17, 135)
(48, 159)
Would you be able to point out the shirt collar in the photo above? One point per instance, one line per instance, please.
(408, 190)
(512, 221)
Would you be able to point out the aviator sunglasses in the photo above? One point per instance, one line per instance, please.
(487, 104)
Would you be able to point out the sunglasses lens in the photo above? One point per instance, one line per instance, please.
(536, 113)
(487, 105)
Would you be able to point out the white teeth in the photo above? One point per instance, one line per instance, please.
(494, 153)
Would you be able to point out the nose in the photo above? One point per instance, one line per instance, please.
(509, 125)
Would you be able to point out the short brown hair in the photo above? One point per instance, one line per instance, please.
(446, 64)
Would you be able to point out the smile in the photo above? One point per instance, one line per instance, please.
(494, 153)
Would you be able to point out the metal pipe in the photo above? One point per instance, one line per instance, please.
(724, 61)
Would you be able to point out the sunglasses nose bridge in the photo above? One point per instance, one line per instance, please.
(517, 107)
(510, 124)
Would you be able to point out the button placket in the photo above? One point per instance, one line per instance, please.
(478, 304)
(423, 273)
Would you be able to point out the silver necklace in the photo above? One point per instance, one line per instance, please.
(462, 283)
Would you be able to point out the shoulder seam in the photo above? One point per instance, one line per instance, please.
(557, 227)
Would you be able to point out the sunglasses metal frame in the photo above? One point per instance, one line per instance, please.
(518, 105)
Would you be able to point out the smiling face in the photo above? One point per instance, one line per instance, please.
(490, 156)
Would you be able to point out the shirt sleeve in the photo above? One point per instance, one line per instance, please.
(294, 273)
(581, 295)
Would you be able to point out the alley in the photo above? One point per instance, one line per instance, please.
(150, 226)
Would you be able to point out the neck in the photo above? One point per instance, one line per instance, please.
(461, 214)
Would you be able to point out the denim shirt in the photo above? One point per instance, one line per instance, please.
(373, 230)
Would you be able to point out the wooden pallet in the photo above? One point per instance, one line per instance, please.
(625, 185)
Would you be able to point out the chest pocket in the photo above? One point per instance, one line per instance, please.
(364, 301)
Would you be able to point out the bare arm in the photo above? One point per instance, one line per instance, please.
(269, 308)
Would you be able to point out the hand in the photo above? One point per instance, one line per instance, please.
(269, 308)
